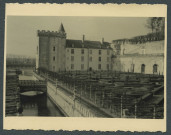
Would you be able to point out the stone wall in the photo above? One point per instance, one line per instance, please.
(66, 104)
(131, 57)
(156, 47)
(43, 52)
(57, 54)
(124, 63)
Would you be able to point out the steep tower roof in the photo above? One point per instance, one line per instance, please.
(61, 28)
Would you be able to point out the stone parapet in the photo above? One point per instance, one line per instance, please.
(51, 33)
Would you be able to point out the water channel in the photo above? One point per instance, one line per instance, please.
(39, 105)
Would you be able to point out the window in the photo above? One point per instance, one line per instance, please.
(107, 59)
(53, 58)
(155, 68)
(143, 68)
(82, 66)
(90, 59)
(54, 48)
(99, 67)
(72, 58)
(72, 51)
(100, 52)
(90, 51)
(82, 51)
(108, 52)
(107, 66)
(82, 58)
(72, 66)
(53, 68)
(100, 59)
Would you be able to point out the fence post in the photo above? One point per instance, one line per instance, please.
(121, 106)
(56, 86)
(74, 97)
(154, 112)
(135, 109)
(90, 91)
(95, 98)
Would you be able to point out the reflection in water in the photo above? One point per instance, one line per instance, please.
(39, 105)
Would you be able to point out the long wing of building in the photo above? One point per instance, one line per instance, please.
(56, 53)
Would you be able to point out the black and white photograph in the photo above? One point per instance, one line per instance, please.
(85, 66)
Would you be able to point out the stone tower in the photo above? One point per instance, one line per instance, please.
(51, 50)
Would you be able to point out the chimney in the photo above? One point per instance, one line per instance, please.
(102, 40)
(83, 39)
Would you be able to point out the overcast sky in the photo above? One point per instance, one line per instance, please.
(22, 30)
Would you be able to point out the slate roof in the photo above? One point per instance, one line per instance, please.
(87, 44)
(61, 28)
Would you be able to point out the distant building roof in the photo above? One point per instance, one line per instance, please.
(142, 38)
(87, 44)
(117, 40)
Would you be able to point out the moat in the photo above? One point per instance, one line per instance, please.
(39, 105)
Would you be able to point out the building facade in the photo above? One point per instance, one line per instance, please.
(145, 55)
(88, 55)
(56, 53)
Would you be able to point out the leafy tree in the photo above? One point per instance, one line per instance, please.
(156, 24)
